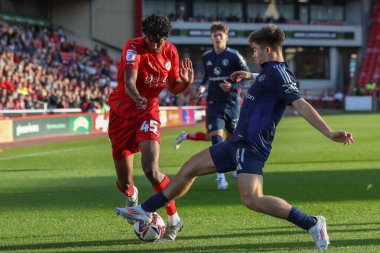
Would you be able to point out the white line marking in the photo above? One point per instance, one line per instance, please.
(42, 153)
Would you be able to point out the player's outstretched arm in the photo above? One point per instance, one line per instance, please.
(186, 74)
(314, 119)
(241, 74)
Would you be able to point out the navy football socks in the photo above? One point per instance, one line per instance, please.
(301, 219)
(155, 202)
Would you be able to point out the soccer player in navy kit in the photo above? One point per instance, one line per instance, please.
(223, 102)
(250, 145)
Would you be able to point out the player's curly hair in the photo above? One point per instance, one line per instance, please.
(156, 27)
(270, 35)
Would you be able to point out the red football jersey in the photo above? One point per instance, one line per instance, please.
(154, 73)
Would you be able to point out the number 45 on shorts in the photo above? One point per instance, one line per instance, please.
(149, 126)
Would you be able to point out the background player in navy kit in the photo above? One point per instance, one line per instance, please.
(250, 145)
(223, 105)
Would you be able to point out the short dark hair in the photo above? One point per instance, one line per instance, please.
(156, 27)
(269, 35)
(218, 26)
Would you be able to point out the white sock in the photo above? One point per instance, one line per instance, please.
(174, 219)
(220, 176)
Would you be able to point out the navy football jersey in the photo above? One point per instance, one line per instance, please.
(263, 106)
(219, 67)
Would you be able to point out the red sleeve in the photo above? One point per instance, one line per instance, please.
(130, 57)
(174, 72)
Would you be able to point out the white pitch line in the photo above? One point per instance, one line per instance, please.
(42, 153)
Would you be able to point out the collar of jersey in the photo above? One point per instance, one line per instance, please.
(271, 63)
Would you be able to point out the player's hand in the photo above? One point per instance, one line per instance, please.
(141, 103)
(187, 73)
(226, 86)
(342, 136)
(237, 76)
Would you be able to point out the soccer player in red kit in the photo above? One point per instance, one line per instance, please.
(148, 64)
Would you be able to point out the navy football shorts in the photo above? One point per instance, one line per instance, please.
(222, 116)
(229, 156)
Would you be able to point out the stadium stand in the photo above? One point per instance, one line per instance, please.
(370, 72)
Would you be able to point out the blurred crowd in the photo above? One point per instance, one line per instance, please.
(41, 69)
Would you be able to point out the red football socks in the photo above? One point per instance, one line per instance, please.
(129, 191)
(198, 136)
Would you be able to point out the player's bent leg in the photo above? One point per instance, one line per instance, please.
(150, 152)
(124, 182)
(216, 138)
(251, 192)
(198, 165)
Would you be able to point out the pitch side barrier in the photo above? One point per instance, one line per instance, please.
(18, 125)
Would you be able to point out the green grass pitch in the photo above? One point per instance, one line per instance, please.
(60, 197)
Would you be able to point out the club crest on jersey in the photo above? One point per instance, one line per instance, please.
(217, 71)
(225, 62)
(260, 78)
(168, 65)
(131, 55)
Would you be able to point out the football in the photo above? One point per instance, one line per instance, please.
(150, 232)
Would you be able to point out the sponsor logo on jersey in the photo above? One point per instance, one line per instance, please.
(249, 96)
(217, 71)
(290, 87)
(168, 65)
(209, 63)
(155, 81)
(131, 55)
(225, 62)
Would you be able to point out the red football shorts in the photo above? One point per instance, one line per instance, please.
(125, 134)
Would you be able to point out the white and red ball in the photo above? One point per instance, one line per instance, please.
(150, 232)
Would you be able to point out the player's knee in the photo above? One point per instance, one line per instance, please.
(252, 202)
(154, 175)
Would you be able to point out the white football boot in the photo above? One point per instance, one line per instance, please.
(135, 213)
(319, 233)
(178, 141)
(171, 232)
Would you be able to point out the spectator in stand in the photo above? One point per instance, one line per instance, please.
(370, 88)
(338, 99)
